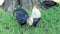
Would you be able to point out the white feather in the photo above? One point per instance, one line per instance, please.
(1, 2)
(30, 21)
(36, 13)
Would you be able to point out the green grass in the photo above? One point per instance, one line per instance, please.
(49, 23)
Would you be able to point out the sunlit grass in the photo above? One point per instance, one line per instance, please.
(56, 0)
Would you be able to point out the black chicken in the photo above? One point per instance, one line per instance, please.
(49, 3)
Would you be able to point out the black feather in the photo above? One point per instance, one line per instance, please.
(35, 21)
(21, 16)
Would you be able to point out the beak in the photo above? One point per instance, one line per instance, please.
(38, 4)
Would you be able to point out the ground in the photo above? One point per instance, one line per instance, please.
(49, 23)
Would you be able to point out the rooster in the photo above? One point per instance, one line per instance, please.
(1, 2)
(21, 16)
(35, 16)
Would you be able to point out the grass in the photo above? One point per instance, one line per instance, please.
(49, 23)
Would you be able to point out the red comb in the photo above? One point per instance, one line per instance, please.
(36, 5)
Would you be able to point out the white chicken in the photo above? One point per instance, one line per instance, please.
(1, 2)
(35, 16)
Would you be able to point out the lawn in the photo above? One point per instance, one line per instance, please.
(49, 23)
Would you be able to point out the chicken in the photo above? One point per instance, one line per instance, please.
(21, 16)
(49, 3)
(1, 2)
(35, 16)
